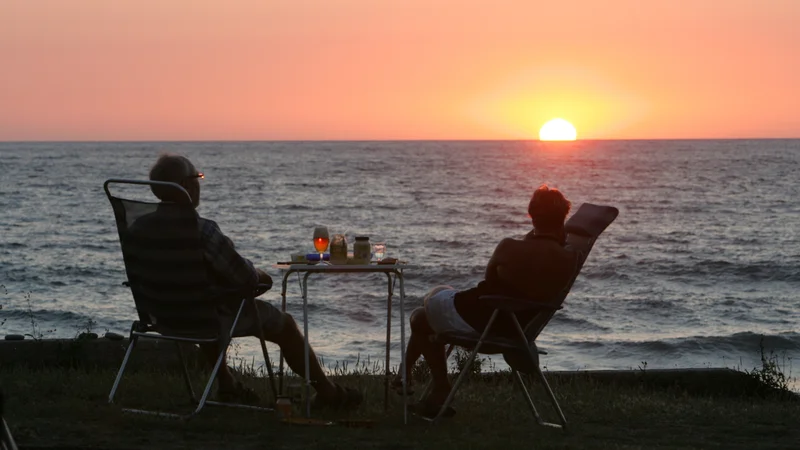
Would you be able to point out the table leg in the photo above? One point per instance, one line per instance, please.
(399, 274)
(283, 309)
(307, 346)
(387, 380)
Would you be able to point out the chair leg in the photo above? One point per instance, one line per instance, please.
(186, 377)
(533, 356)
(211, 379)
(128, 352)
(466, 368)
(264, 351)
(461, 377)
(552, 396)
(270, 374)
(7, 441)
(518, 379)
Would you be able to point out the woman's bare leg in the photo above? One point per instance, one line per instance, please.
(434, 354)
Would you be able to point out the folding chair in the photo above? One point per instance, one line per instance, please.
(168, 277)
(6, 439)
(521, 352)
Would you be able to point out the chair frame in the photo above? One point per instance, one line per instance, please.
(506, 306)
(140, 330)
(586, 225)
(6, 439)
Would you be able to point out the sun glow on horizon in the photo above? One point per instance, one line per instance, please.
(557, 130)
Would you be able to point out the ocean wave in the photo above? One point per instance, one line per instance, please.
(736, 343)
(750, 271)
(603, 272)
(45, 317)
(576, 323)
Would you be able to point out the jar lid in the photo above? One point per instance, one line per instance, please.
(362, 238)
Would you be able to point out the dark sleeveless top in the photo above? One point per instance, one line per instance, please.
(477, 313)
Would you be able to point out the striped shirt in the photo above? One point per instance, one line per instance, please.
(227, 265)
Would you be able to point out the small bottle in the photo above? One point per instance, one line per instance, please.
(338, 249)
(362, 251)
(284, 407)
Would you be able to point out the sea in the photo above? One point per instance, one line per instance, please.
(701, 268)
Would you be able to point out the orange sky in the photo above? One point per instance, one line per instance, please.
(409, 69)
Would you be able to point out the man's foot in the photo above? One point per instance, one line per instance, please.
(238, 393)
(342, 398)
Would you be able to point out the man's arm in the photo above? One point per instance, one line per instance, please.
(226, 262)
(263, 277)
(499, 257)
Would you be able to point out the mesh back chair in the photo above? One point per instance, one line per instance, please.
(172, 287)
(6, 439)
(520, 352)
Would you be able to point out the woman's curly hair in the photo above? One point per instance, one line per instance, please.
(548, 208)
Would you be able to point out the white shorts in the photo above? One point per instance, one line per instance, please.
(442, 314)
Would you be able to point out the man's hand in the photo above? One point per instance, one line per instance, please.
(263, 277)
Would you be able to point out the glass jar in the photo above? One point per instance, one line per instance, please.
(338, 249)
(362, 250)
(284, 407)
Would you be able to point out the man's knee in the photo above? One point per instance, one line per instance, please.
(288, 327)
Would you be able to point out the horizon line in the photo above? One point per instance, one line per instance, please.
(35, 141)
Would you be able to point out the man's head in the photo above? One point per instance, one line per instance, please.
(548, 209)
(176, 169)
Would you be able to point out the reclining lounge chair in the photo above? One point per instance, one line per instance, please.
(521, 353)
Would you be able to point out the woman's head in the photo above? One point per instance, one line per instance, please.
(548, 209)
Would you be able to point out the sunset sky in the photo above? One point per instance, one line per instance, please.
(410, 69)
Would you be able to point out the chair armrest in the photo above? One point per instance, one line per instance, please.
(515, 304)
(245, 293)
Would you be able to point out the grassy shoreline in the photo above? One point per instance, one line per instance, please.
(67, 408)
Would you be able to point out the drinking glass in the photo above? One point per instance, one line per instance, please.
(379, 250)
(321, 241)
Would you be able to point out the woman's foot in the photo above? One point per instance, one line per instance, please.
(341, 398)
(238, 393)
(430, 410)
(397, 385)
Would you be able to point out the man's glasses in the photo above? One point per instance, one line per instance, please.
(197, 175)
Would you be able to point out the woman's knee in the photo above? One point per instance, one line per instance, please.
(288, 320)
(419, 321)
(435, 291)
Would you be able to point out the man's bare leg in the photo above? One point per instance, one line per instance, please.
(225, 380)
(292, 343)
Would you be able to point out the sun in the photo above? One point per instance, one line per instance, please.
(557, 130)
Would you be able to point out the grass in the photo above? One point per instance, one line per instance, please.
(67, 408)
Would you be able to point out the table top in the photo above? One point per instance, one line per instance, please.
(302, 267)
